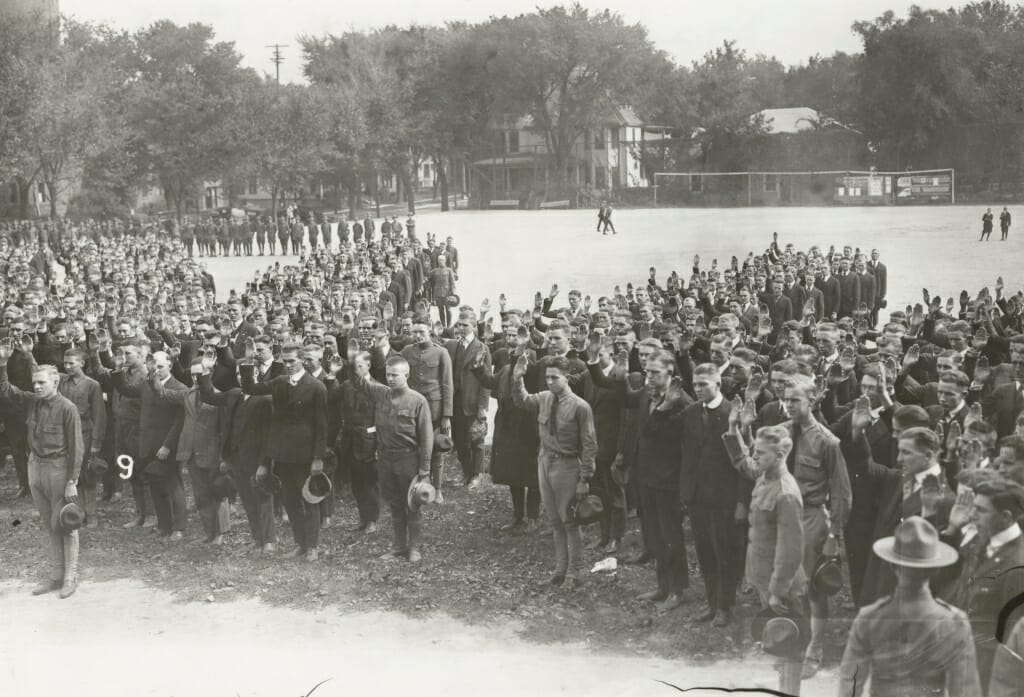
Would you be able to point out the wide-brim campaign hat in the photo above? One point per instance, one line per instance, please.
(316, 488)
(267, 485)
(916, 544)
(452, 300)
(587, 509)
(223, 485)
(828, 576)
(420, 493)
(98, 465)
(71, 517)
(781, 634)
(442, 442)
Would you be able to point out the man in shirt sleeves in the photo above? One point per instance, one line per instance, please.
(568, 448)
(54, 461)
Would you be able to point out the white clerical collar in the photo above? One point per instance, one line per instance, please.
(716, 402)
(1004, 537)
(933, 471)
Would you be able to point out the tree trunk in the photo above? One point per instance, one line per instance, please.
(441, 178)
(406, 179)
(52, 188)
(273, 209)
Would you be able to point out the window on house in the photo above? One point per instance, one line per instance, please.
(253, 186)
(771, 183)
(599, 139)
(696, 184)
(615, 137)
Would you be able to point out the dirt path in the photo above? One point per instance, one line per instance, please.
(124, 638)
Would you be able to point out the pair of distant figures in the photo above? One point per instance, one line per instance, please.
(604, 217)
(1004, 224)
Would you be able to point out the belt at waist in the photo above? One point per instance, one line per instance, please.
(61, 460)
(398, 451)
(554, 455)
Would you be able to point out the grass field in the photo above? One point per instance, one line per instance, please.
(520, 252)
(160, 619)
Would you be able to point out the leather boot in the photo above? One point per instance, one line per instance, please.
(70, 565)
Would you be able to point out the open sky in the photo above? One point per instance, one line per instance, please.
(792, 30)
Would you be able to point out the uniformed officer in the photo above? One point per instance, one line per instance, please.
(55, 451)
(910, 643)
(405, 441)
(430, 374)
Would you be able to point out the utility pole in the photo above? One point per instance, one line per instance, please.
(277, 59)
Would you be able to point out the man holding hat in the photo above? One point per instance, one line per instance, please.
(430, 374)
(55, 457)
(911, 643)
(405, 441)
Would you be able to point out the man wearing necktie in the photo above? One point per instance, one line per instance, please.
(1003, 404)
(566, 462)
(470, 399)
(816, 461)
(991, 581)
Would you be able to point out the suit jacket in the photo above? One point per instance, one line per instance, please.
(473, 397)
(1002, 406)
(814, 293)
(244, 423)
(708, 475)
(199, 429)
(849, 294)
(990, 592)
(832, 293)
(298, 427)
(781, 311)
(158, 413)
(867, 289)
(881, 280)
(245, 330)
(606, 405)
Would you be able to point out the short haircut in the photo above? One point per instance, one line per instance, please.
(263, 339)
(75, 352)
(559, 363)
(911, 416)
(923, 438)
(805, 385)
(778, 437)
(709, 370)
(1005, 495)
(48, 370)
(652, 342)
(665, 359)
(955, 377)
(397, 361)
(291, 347)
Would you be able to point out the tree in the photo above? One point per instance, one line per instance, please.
(286, 139)
(566, 68)
(184, 102)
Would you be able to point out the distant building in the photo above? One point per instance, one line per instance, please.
(803, 139)
(606, 158)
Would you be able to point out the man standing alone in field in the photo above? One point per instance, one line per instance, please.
(986, 225)
(1004, 223)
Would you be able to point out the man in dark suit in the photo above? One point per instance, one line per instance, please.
(849, 289)
(158, 441)
(708, 488)
(242, 328)
(830, 290)
(297, 442)
(779, 307)
(245, 427)
(916, 487)
(990, 585)
(470, 400)
(865, 435)
(867, 287)
(876, 267)
(1003, 404)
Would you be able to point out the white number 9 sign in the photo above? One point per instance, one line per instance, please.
(127, 465)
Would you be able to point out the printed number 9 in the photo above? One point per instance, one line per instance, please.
(127, 465)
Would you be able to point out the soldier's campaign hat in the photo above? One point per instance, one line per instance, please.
(452, 300)
(421, 492)
(267, 485)
(916, 545)
(316, 488)
(442, 442)
(586, 509)
(71, 517)
(781, 634)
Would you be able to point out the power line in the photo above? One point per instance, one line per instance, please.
(277, 59)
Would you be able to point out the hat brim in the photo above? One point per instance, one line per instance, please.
(885, 548)
(308, 495)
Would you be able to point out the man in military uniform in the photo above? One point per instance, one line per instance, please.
(430, 374)
(911, 643)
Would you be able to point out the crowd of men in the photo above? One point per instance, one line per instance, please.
(336, 369)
